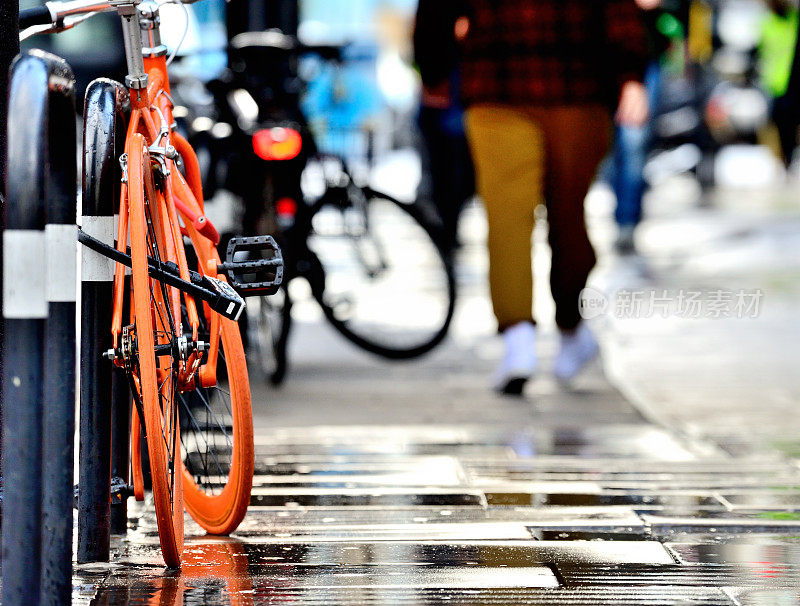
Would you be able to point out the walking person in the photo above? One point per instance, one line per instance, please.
(631, 141)
(448, 163)
(540, 79)
(780, 71)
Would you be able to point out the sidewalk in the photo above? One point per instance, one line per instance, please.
(731, 380)
(409, 483)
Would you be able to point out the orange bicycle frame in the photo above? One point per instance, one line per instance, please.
(177, 206)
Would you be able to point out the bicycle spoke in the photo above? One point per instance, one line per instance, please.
(199, 394)
(199, 432)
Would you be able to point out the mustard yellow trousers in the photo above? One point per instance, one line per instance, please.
(526, 156)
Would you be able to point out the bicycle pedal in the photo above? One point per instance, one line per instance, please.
(254, 265)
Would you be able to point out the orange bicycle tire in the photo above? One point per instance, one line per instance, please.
(221, 511)
(167, 486)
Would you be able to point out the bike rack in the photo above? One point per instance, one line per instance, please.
(38, 351)
(105, 101)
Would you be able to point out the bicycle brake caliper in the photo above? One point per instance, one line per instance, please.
(123, 164)
(158, 153)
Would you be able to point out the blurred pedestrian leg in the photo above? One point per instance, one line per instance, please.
(439, 28)
(525, 156)
(629, 158)
(452, 180)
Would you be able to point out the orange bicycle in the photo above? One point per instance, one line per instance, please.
(174, 319)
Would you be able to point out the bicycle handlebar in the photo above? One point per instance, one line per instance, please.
(64, 15)
(30, 17)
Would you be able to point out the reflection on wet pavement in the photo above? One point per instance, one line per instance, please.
(459, 515)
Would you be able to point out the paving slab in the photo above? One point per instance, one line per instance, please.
(766, 597)
(779, 550)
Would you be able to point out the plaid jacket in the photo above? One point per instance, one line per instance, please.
(534, 52)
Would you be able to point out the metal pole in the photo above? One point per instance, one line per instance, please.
(61, 237)
(100, 178)
(120, 445)
(283, 15)
(9, 47)
(38, 82)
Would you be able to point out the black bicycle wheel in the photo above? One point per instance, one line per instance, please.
(381, 278)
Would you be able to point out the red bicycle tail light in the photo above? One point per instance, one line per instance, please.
(286, 207)
(277, 143)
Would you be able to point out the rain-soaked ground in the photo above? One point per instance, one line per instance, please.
(617, 514)
(412, 483)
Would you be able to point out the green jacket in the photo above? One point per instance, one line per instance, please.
(776, 51)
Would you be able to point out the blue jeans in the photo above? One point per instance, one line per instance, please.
(628, 180)
(629, 156)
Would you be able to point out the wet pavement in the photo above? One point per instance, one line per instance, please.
(711, 378)
(412, 483)
(419, 515)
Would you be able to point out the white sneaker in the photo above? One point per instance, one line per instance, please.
(519, 362)
(577, 349)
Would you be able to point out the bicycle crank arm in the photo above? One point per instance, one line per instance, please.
(219, 295)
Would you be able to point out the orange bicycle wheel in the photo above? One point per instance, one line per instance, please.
(156, 326)
(217, 433)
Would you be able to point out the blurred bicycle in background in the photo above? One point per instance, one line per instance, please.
(371, 261)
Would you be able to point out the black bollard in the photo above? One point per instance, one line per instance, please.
(41, 92)
(104, 98)
(58, 436)
(9, 47)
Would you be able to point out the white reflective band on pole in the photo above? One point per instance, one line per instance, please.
(24, 281)
(62, 262)
(94, 266)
